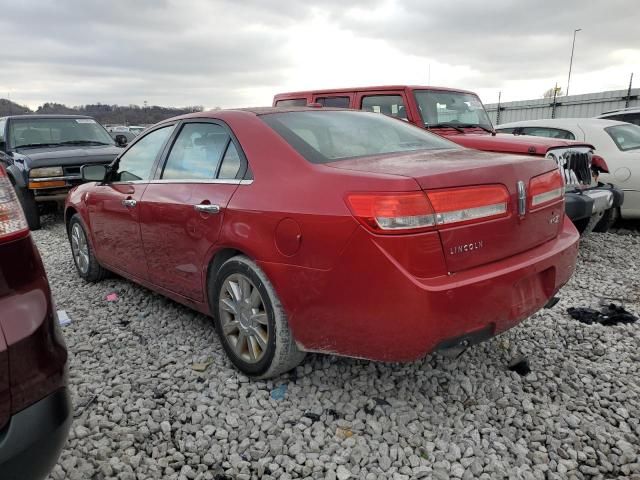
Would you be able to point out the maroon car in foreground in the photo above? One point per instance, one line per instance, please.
(325, 230)
(35, 409)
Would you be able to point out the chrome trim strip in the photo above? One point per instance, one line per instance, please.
(51, 179)
(522, 197)
(161, 181)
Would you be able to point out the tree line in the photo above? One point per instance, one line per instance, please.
(105, 114)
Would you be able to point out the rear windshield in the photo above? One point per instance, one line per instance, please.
(34, 132)
(328, 136)
(626, 137)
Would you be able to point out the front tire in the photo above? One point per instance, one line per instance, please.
(84, 258)
(251, 322)
(29, 207)
(607, 221)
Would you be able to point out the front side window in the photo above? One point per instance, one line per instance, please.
(35, 132)
(335, 102)
(331, 135)
(391, 105)
(548, 132)
(443, 108)
(197, 152)
(626, 137)
(137, 162)
(292, 102)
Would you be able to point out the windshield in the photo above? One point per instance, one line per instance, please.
(327, 136)
(626, 137)
(33, 132)
(455, 109)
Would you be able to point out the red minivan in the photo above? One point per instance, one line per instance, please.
(35, 408)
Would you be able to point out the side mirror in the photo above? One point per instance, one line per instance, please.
(93, 173)
(121, 140)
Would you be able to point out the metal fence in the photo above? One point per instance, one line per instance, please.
(573, 106)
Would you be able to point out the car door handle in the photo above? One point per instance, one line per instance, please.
(207, 208)
(129, 203)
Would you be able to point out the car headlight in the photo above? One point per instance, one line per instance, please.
(46, 172)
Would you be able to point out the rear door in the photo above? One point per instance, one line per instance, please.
(182, 210)
(114, 207)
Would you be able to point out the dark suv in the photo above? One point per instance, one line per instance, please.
(43, 155)
(35, 409)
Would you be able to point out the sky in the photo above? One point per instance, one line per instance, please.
(237, 53)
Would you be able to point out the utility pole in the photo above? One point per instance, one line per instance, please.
(553, 106)
(498, 111)
(626, 104)
(573, 46)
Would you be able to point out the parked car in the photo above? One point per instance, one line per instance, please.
(136, 130)
(43, 155)
(618, 142)
(35, 409)
(324, 230)
(122, 138)
(629, 115)
(460, 116)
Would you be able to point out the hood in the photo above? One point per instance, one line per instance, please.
(66, 155)
(521, 144)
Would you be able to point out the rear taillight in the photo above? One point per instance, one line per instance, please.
(12, 221)
(418, 211)
(546, 189)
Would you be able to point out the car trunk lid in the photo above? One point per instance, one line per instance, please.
(478, 242)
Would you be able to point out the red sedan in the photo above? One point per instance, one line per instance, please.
(318, 230)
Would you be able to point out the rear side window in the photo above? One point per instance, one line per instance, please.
(391, 105)
(626, 137)
(548, 132)
(331, 135)
(230, 163)
(336, 102)
(292, 102)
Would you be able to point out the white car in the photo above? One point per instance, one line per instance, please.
(617, 142)
(631, 115)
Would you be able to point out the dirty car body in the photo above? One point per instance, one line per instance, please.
(35, 408)
(381, 241)
(459, 116)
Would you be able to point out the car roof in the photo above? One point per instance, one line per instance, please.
(621, 110)
(43, 116)
(257, 111)
(372, 89)
(562, 122)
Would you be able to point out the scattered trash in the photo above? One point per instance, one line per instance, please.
(313, 416)
(112, 297)
(610, 314)
(63, 318)
(343, 433)
(520, 365)
(201, 367)
(279, 392)
(79, 409)
(381, 402)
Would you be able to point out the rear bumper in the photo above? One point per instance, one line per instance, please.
(32, 441)
(594, 201)
(369, 306)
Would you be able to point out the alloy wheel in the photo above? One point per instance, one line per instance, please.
(243, 318)
(80, 248)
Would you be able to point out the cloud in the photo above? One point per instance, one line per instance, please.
(241, 52)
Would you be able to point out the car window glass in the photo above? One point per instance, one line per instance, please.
(137, 162)
(626, 117)
(548, 132)
(388, 104)
(230, 163)
(2, 125)
(292, 102)
(505, 130)
(196, 152)
(626, 137)
(336, 102)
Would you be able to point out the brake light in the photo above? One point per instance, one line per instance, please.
(545, 189)
(12, 221)
(419, 211)
(462, 205)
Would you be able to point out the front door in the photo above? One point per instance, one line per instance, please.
(114, 206)
(182, 212)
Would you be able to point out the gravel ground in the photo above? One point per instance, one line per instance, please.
(144, 412)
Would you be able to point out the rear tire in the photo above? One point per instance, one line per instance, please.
(84, 258)
(581, 225)
(29, 207)
(607, 221)
(250, 320)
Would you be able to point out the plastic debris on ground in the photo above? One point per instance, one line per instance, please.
(112, 297)
(520, 365)
(202, 366)
(279, 392)
(610, 314)
(343, 433)
(63, 318)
